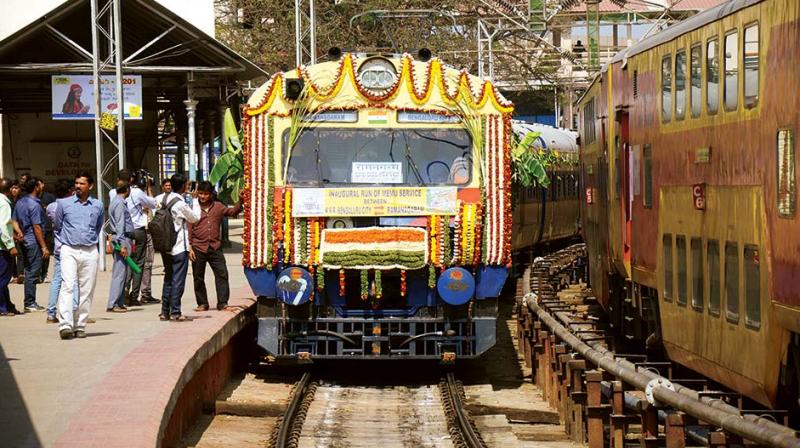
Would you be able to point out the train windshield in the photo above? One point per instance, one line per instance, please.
(329, 156)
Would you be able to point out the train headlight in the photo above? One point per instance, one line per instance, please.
(377, 74)
(294, 286)
(456, 286)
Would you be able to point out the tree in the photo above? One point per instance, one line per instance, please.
(263, 31)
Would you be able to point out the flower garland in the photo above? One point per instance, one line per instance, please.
(300, 240)
(364, 284)
(431, 276)
(321, 280)
(342, 290)
(432, 232)
(507, 221)
(288, 239)
(277, 227)
(378, 285)
(270, 193)
(457, 234)
(448, 247)
(248, 187)
(374, 248)
(402, 283)
(476, 258)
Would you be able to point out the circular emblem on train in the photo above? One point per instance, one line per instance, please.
(294, 286)
(456, 286)
(377, 74)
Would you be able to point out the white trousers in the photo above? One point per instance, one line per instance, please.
(77, 263)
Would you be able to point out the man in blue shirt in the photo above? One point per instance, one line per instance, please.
(77, 224)
(29, 214)
(121, 233)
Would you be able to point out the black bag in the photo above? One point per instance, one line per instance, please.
(162, 228)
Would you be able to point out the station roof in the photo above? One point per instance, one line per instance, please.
(158, 44)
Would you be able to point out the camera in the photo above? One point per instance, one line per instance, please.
(142, 177)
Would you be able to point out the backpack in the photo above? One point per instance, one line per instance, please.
(162, 228)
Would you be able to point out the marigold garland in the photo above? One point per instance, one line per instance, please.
(248, 202)
(288, 226)
(457, 234)
(270, 193)
(277, 228)
(448, 247)
(431, 276)
(342, 291)
(402, 283)
(378, 285)
(364, 284)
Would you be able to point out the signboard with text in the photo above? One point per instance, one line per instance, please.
(389, 201)
(73, 97)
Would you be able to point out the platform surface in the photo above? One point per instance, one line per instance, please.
(49, 386)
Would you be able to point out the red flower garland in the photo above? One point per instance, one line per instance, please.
(342, 290)
(247, 185)
(402, 283)
(507, 165)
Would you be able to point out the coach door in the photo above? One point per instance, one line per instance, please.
(625, 155)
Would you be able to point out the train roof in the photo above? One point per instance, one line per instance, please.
(685, 26)
(424, 86)
(550, 137)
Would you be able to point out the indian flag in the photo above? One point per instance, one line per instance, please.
(374, 248)
(378, 117)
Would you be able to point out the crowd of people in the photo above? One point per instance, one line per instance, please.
(64, 223)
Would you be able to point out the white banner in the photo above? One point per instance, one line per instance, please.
(377, 173)
(73, 97)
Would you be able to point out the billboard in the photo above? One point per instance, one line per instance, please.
(73, 97)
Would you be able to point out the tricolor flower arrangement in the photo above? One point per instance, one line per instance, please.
(374, 248)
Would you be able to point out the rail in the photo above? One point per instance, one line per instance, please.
(288, 430)
(564, 369)
(461, 428)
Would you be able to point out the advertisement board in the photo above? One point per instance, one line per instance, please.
(73, 97)
(389, 201)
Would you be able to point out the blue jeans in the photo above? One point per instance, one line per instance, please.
(175, 269)
(32, 257)
(55, 287)
(6, 268)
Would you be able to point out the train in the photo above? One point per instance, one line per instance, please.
(687, 167)
(378, 217)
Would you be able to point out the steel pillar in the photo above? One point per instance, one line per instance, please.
(191, 109)
(305, 35)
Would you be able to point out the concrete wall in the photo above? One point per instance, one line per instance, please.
(16, 14)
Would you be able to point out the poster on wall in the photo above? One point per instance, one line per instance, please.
(73, 97)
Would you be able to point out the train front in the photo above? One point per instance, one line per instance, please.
(377, 221)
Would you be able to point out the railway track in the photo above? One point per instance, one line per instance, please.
(606, 398)
(331, 415)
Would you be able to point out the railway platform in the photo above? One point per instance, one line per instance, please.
(133, 380)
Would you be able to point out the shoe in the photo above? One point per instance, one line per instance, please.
(221, 306)
(117, 309)
(179, 318)
(90, 321)
(34, 308)
(80, 334)
(163, 317)
(66, 333)
(51, 319)
(201, 308)
(150, 300)
(134, 303)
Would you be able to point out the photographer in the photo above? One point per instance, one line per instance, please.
(140, 202)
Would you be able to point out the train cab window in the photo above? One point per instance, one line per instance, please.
(680, 85)
(697, 274)
(731, 70)
(732, 281)
(666, 241)
(647, 198)
(680, 246)
(588, 122)
(666, 88)
(750, 64)
(696, 75)
(715, 286)
(752, 286)
(787, 187)
(712, 76)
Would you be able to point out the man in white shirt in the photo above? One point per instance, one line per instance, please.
(139, 204)
(7, 250)
(176, 263)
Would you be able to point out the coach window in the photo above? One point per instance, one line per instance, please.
(732, 281)
(695, 75)
(752, 286)
(647, 199)
(680, 246)
(680, 85)
(697, 274)
(617, 168)
(751, 65)
(712, 76)
(667, 243)
(787, 188)
(715, 286)
(666, 88)
(731, 70)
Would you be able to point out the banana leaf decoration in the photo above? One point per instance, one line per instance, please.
(529, 166)
(228, 170)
